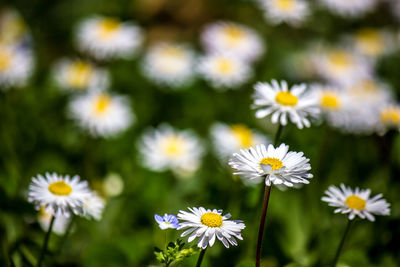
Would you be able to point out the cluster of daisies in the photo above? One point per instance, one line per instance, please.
(57, 196)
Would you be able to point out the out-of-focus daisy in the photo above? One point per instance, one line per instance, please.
(356, 202)
(293, 12)
(228, 139)
(107, 37)
(60, 222)
(79, 75)
(93, 206)
(341, 66)
(167, 221)
(102, 114)
(278, 166)
(12, 27)
(113, 185)
(208, 225)
(233, 38)
(297, 103)
(59, 195)
(389, 118)
(168, 149)
(16, 66)
(169, 64)
(353, 8)
(224, 71)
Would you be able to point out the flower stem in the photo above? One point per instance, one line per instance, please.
(278, 134)
(46, 240)
(201, 256)
(339, 250)
(66, 233)
(262, 223)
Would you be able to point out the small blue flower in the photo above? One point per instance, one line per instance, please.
(167, 221)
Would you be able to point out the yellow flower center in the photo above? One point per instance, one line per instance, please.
(370, 41)
(233, 34)
(390, 115)
(173, 146)
(5, 60)
(275, 163)
(355, 202)
(102, 104)
(286, 5)
(79, 74)
(108, 27)
(286, 99)
(243, 134)
(173, 52)
(224, 66)
(330, 101)
(340, 59)
(60, 188)
(211, 219)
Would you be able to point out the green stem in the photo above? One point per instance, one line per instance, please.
(267, 193)
(339, 250)
(66, 234)
(278, 134)
(201, 256)
(46, 240)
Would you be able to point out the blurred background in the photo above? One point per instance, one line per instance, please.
(38, 136)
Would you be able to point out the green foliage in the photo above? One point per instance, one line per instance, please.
(174, 253)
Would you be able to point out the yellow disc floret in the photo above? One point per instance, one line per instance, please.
(329, 101)
(233, 34)
(173, 146)
(102, 103)
(286, 5)
(286, 99)
(211, 219)
(243, 134)
(224, 66)
(5, 60)
(355, 202)
(60, 188)
(390, 115)
(340, 60)
(275, 163)
(108, 27)
(370, 41)
(79, 74)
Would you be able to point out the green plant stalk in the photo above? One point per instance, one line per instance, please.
(267, 193)
(46, 241)
(339, 249)
(201, 256)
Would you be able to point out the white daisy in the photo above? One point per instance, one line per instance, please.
(225, 36)
(93, 206)
(208, 225)
(101, 114)
(60, 222)
(80, 75)
(113, 185)
(16, 66)
(228, 139)
(12, 27)
(224, 71)
(169, 64)
(168, 149)
(293, 12)
(276, 165)
(356, 202)
(280, 101)
(60, 195)
(389, 118)
(346, 8)
(107, 37)
(373, 42)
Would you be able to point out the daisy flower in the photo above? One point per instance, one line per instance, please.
(224, 71)
(101, 114)
(169, 64)
(356, 202)
(389, 117)
(373, 42)
(106, 37)
(282, 102)
(79, 75)
(93, 206)
(113, 185)
(234, 38)
(60, 222)
(208, 225)
(278, 166)
(293, 12)
(167, 221)
(168, 149)
(12, 27)
(228, 139)
(16, 66)
(59, 195)
(353, 8)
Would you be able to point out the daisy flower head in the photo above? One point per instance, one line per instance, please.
(353, 8)
(356, 202)
(59, 195)
(60, 222)
(389, 118)
(93, 206)
(278, 166)
(240, 40)
(80, 75)
(208, 225)
(166, 148)
(224, 70)
(228, 139)
(107, 38)
(16, 66)
(373, 42)
(169, 64)
(12, 27)
(101, 114)
(293, 12)
(277, 99)
(167, 221)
